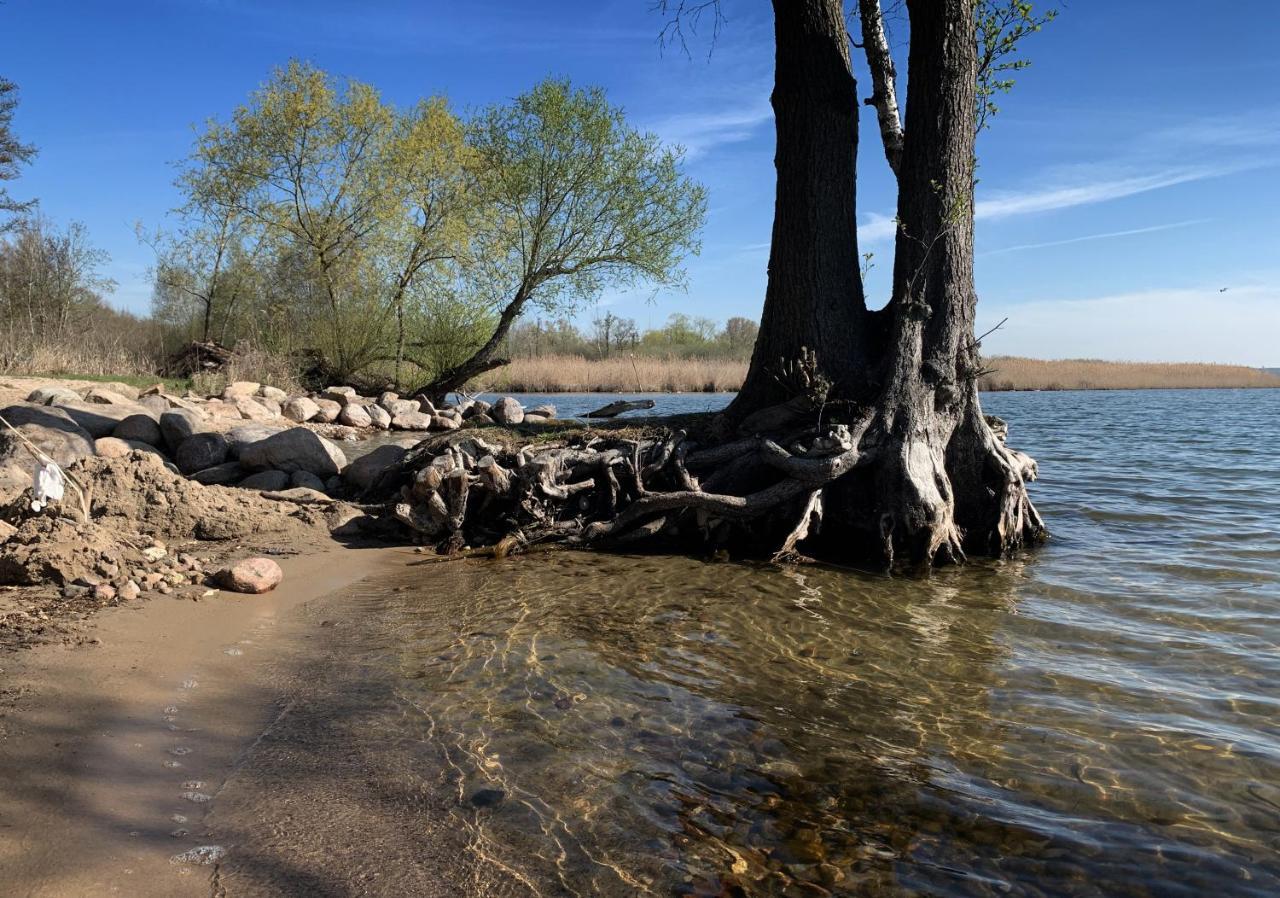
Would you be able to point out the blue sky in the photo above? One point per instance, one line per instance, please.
(1132, 174)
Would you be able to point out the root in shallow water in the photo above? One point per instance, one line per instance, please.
(762, 495)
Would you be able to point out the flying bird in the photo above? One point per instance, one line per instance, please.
(1224, 289)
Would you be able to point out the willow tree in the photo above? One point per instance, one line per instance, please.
(573, 201)
(359, 197)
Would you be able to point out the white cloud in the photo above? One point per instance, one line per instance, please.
(1107, 235)
(699, 132)
(1096, 190)
(1238, 326)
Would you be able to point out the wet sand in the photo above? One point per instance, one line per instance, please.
(113, 755)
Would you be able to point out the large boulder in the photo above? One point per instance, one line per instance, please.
(445, 422)
(51, 430)
(52, 395)
(275, 394)
(156, 404)
(400, 406)
(328, 411)
(241, 389)
(200, 451)
(140, 429)
(179, 423)
(253, 575)
(307, 480)
(507, 411)
(295, 449)
(100, 419)
(379, 417)
(252, 410)
(354, 415)
(300, 409)
(546, 410)
(411, 421)
(341, 395)
(267, 481)
(364, 471)
(239, 437)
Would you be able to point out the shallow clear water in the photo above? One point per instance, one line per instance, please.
(1101, 717)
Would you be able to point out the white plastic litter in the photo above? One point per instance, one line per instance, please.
(48, 484)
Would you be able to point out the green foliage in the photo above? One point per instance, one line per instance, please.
(1001, 25)
(578, 201)
(320, 220)
(13, 153)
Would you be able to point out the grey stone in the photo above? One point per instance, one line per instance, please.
(239, 437)
(275, 394)
(179, 423)
(400, 406)
(507, 411)
(51, 430)
(354, 415)
(52, 395)
(379, 417)
(140, 428)
(295, 449)
(411, 421)
(328, 411)
(307, 480)
(300, 409)
(341, 395)
(99, 419)
(365, 470)
(200, 451)
(268, 481)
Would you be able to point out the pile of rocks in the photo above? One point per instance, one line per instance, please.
(252, 435)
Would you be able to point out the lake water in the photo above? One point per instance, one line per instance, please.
(1098, 718)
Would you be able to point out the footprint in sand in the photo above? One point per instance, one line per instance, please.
(173, 765)
(193, 784)
(189, 684)
(196, 797)
(233, 651)
(179, 750)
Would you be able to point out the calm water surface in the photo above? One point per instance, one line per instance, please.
(1101, 717)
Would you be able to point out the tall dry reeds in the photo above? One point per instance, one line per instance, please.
(616, 374)
(642, 374)
(1014, 373)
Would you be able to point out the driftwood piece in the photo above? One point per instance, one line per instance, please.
(613, 409)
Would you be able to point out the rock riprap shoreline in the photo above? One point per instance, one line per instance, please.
(251, 465)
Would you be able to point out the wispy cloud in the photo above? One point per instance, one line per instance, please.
(1098, 190)
(1103, 236)
(699, 132)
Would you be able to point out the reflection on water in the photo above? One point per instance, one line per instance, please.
(1100, 718)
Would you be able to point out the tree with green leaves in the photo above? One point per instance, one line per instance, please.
(573, 201)
(13, 155)
(361, 198)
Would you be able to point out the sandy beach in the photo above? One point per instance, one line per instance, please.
(113, 750)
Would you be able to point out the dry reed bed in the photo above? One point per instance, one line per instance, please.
(1013, 373)
(624, 374)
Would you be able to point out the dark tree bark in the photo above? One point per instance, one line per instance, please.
(937, 480)
(814, 297)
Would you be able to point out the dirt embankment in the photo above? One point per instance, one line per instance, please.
(152, 532)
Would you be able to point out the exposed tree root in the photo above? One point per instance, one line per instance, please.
(767, 495)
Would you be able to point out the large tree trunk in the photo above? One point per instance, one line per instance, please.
(814, 297)
(944, 482)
